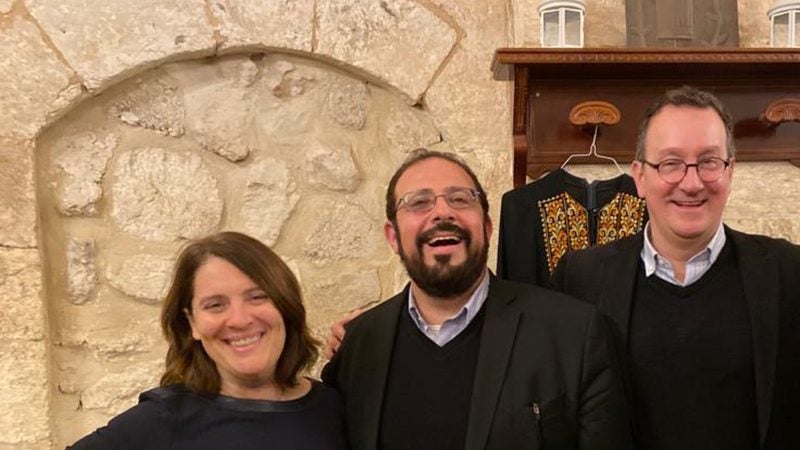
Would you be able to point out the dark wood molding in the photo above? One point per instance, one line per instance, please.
(761, 87)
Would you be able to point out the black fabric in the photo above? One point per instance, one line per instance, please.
(522, 250)
(177, 419)
(429, 389)
(691, 362)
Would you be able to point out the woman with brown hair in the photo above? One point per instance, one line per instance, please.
(238, 341)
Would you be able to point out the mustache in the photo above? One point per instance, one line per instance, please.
(447, 227)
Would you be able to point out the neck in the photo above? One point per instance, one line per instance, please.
(435, 310)
(265, 390)
(679, 251)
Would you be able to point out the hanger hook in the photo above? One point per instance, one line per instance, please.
(593, 147)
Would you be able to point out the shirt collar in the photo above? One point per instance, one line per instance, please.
(651, 258)
(464, 315)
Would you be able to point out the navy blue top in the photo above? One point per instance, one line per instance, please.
(175, 418)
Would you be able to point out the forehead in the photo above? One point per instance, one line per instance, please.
(685, 129)
(435, 174)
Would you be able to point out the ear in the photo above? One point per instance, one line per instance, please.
(637, 172)
(190, 318)
(488, 227)
(391, 236)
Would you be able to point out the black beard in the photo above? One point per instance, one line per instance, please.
(443, 280)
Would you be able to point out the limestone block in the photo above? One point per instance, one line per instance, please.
(21, 306)
(107, 341)
(343, 232)
(347, 103)
(83, 163)
(408, 128)
(34, 84)
(18, 199)
(105, 41)
(753, 22)
(397, 41)
(23, 392)
(116, 392)
(285, 24)
(275, 75)
(81, 270)
(526, 23)
(145, 276)
(331, 165)
(161, 195)
(152, 103)
(753, 183)
(5, 6)
(343, 293)
(268, 200)
(605, 24)
(220, 118)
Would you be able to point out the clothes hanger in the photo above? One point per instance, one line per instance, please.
(594, 113)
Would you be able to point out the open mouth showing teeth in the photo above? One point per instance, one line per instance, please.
(440, 241)
(695, 203)
(244, 341)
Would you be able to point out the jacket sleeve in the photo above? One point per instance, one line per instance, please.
(147, 425)
(603, 420)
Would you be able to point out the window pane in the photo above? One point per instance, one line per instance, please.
(780, 30)
(550, 27)
(572, 28)
(796, 36)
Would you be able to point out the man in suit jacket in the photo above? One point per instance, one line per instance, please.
(460, 359)
(706, 319)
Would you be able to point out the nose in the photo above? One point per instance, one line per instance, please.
(240, 316)
(691, 182)
(441, 209)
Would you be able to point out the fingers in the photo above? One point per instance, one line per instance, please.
(337, 330)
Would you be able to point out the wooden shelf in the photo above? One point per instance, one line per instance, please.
(548, 83)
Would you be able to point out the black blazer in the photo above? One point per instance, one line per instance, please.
(770, 272)
(536, 346)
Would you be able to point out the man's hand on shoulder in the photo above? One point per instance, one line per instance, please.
(336, 336)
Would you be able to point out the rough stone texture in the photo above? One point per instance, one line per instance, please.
(83, 163)
(145, 277)
(21, 307)
(269, 199)
(407, 129)
(152, 103)
(336, 295)
(371, 35)
(754, 23)
(23, 393)
(122, 36)
(276, 23)
(116, 392)
(347, 103)
(604, 25)
(34, 84)
(343, 232)
(221, 120)
(331, 165)
(5, 6)
(81, 270)
(162, 195)
(17, 202)
(526, 23)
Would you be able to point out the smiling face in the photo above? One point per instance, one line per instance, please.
(445, 249)
(684, 215)
(238, 325)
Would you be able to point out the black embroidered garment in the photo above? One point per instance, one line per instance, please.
(541, 221)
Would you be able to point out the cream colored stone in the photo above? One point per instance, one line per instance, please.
(34, 84)
(330, 164)
(118, 391)
(221, 118)
(17, 201)
(604, 25)
(343, 232)
(83, 163)
(397, 41)
(105, 41)
(153, 103)
(408, 128)
(21, 305)
(753, 22)
(145, 277)
(5, 6)
(338, 295)
(269, 199)
(753, 181)
(161, 195)
(23, 393)
(285, 24)
(81, 270)
(275, 74)
(347, 103)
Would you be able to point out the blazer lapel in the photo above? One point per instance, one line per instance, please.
(497, 338)
(373, 378)
(761, 285)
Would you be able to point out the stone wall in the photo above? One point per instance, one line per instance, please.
(126, 128)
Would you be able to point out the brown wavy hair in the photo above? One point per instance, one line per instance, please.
(187, 362)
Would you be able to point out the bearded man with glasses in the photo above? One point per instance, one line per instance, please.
(460, 359)
(706, 319)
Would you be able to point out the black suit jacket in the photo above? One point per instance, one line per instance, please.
(770, 272)
(536, 346)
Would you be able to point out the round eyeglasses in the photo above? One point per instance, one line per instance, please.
(424, 200)
(672, 171)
